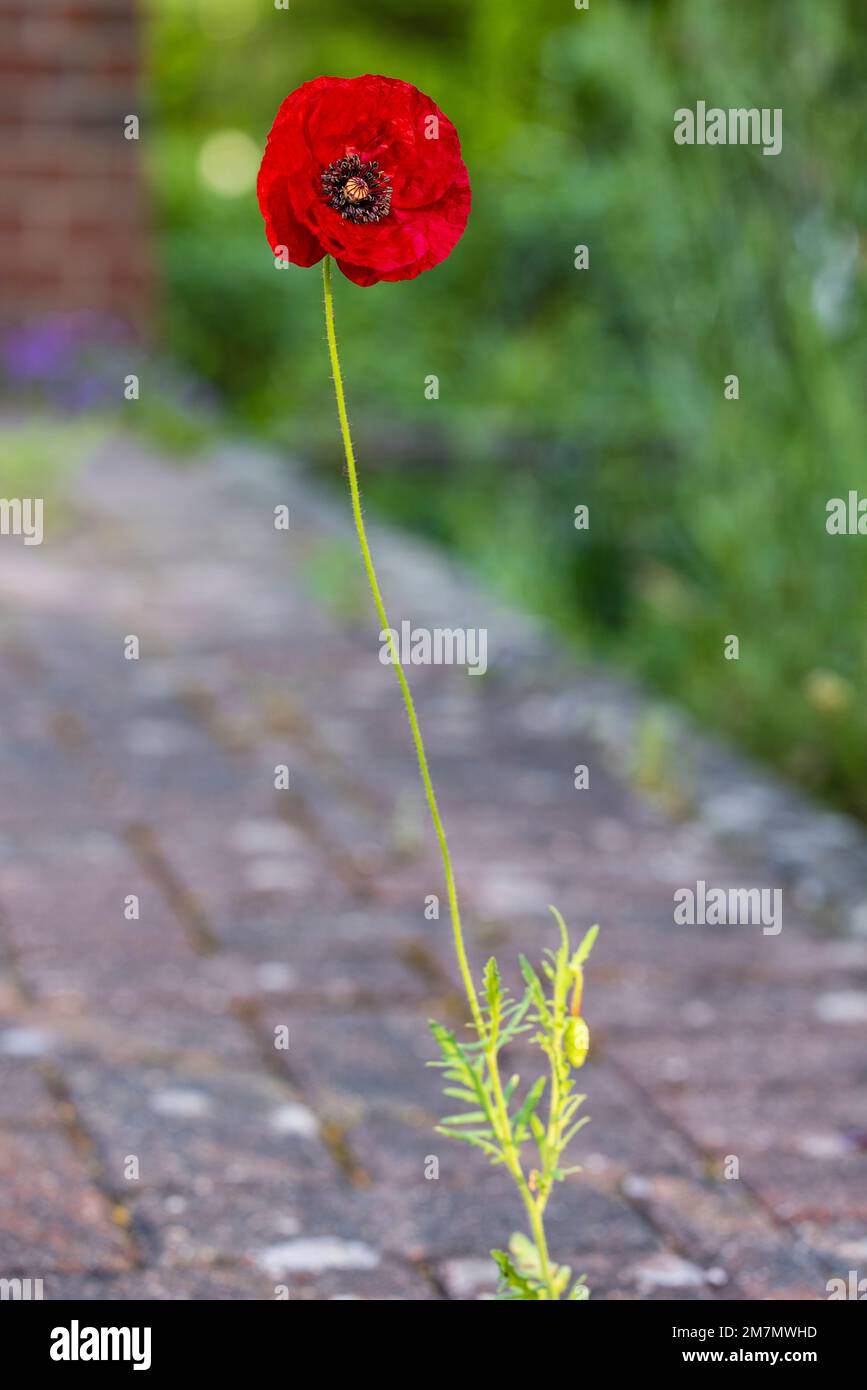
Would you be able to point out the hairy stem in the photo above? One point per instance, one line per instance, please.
(534, 1206)
(537, 1224)
(355, 494)
(510, 1151)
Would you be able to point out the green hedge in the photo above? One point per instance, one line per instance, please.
(604, 386)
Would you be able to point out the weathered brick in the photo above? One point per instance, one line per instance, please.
(155, 1038)
(53, 1218)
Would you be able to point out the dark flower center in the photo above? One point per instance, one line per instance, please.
(357, 188)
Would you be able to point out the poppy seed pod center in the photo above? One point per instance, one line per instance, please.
(357, 188)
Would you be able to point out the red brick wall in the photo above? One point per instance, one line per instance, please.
(73, 220)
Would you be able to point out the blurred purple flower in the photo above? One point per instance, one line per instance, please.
(76, 363)
(70, 360)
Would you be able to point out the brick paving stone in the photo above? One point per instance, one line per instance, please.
(801, 1121)
(190, 1283)
(52, 1217)
(719, 1226)
(362, 973)
(133, 1029)
(607, 1277)
(181, 1124)
(839, 1245)
(205, 1219)
(389, 1283)
(305, 908)
(792, 1188)
(450, 1219)
(225, 882)
(371, 1058)
(781, 1057)
(24, 1100)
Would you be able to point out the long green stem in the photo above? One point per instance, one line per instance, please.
(355, 494)
(510, 1152)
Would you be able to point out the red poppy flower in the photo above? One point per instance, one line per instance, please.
(368, 170)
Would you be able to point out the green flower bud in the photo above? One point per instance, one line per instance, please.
(576, 1041)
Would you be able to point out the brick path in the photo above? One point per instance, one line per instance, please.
(153, 1040)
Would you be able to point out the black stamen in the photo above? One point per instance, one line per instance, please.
(369, 196)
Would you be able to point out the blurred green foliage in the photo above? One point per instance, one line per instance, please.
(560, 386)
(40, 456)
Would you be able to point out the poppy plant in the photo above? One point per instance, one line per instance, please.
(368, 171)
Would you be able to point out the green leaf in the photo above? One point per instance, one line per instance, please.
(474, 1082)
(478, 1140)
(585, 948)
(471, 1117)
(448, 1043)
(579, 1124)
(516, 1019)
(525, 1252)
(513, 1284)
(531, 1100)
(529, 974)
(571, 1105)
(492, 983)
(536, 991)
(564, 935)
